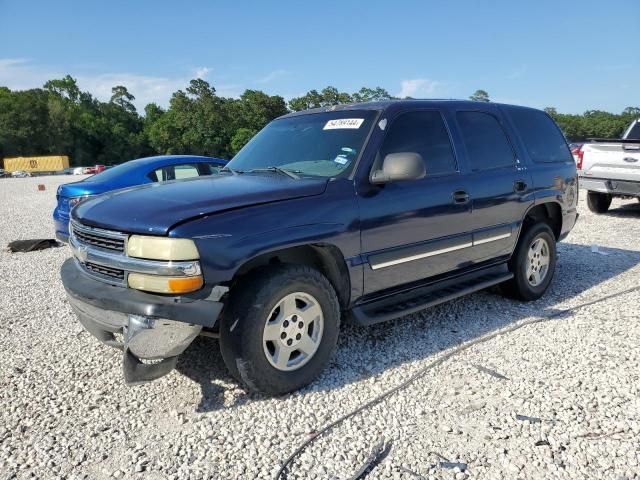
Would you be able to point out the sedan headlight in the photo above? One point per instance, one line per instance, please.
(73, 201)
(162, 248)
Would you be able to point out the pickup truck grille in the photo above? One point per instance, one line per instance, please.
(112, 241)
(103, 271)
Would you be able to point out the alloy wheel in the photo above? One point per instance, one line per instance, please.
(293, 331)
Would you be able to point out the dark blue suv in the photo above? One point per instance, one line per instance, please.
(363, 212)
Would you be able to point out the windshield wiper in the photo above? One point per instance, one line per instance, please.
(283, 171)
(229, 169)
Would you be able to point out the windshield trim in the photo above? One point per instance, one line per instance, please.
(365, 144)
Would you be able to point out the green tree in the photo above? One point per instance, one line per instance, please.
(62, 119)
(332, 96)
(196, 122)
(122, 98)
(312, 99)
(241, 138)
(480, 96)
(24, 123)
(371, 95)
(66, 88)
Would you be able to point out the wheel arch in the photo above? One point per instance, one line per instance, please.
(324, 257)
(549, 212)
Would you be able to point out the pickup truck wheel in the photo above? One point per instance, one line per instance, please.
(598, 202)
(533, 263)
(280, 328)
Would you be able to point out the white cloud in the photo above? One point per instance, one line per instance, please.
(418, 87)
(145, 88)
(21, 74)
(202, 72)
(270, 77)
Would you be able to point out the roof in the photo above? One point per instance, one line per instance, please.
(170, 158)
(384, 104)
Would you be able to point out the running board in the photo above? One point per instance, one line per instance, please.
(427, 296)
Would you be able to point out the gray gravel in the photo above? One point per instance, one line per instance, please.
(558, 399)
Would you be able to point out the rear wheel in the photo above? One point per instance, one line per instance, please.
(533, 263)
(598, 202)
(280, 328)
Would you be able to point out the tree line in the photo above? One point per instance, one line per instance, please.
(60, 119)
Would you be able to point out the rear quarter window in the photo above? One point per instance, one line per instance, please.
(541, 136)
(486, 142)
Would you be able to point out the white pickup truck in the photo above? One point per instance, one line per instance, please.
(610, 168)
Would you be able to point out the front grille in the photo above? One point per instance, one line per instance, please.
(99, 240)
(104, 271)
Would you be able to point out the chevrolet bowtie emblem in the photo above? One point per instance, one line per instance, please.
(82, 253)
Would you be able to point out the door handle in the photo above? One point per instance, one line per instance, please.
(460, 197)
(519, 186)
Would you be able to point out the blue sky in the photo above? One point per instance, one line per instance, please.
(574, 55)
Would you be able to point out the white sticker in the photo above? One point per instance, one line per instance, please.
(341, 159)
(343, 123)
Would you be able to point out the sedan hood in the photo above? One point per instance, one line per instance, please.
(154, 209)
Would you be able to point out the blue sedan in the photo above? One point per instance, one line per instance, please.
(129, 174)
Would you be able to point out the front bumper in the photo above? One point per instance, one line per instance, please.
(613, 187)
(61, 224)
(152, 327)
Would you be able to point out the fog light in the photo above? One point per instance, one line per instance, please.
(159, 284)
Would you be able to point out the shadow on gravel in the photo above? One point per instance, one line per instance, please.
(202, 363)
(628, 210)
(366, 352)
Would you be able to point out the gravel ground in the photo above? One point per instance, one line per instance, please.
(558, 399)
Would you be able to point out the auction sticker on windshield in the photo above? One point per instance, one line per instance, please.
(343, 123)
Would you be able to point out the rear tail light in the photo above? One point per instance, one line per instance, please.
(580, 154)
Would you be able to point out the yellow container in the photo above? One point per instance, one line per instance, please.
(50, 163)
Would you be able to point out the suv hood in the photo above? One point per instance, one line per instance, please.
(155, 208)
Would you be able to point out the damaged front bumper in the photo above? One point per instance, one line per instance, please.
(152, 330)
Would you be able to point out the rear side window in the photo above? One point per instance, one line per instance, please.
(176, 172)
(487, 145)
(542, 138)
(422, 132)
(185, 171)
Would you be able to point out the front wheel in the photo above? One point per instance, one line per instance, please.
(280, 328)
(533, 263)
(598, 202)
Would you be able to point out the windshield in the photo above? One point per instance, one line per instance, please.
(317, 145)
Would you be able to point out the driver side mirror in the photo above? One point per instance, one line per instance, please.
(399, 166)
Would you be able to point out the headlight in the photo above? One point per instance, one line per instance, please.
(159, 284)
(73, 201)
(162, 248)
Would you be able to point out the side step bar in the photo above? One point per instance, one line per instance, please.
(420, 298)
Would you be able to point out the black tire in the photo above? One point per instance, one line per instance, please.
(598, 202)
(520, 286)
(245, 317)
